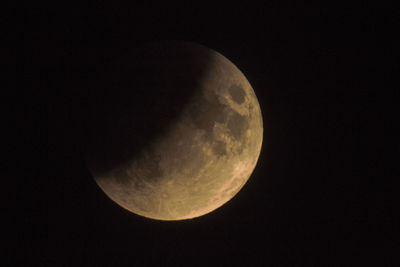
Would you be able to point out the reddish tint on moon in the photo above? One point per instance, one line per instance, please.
(207, 149)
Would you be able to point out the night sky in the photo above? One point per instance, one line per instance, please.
(321, 193)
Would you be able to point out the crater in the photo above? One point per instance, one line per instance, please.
(237, 94)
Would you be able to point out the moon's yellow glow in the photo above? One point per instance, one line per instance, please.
(204, 159)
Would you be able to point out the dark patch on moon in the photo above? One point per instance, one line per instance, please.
(237, 93)
(219, 148)
(237, 125)
(205, 112)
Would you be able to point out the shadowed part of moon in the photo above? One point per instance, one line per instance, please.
(136, 98)
(175, 130)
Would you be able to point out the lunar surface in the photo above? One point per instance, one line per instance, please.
(183, 141)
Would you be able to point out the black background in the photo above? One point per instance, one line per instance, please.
(322, 191)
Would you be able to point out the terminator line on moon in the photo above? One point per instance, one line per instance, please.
(204, 155)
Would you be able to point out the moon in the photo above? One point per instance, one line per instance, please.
(177, 133)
